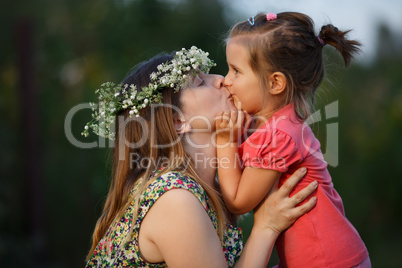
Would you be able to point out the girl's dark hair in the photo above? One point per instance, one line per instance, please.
(289, 45)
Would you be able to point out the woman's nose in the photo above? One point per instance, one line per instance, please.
(218, 82)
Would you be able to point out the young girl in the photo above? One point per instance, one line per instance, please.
(275, 66)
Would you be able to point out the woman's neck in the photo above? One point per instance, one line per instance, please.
(201, 148)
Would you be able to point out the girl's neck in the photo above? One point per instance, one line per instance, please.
(201, 148)
(265, 114)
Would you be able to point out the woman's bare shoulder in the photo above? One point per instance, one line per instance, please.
(177, 224)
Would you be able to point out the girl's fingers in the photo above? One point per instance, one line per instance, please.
(240, 119)
(233, 117)
(218, 118)
(226, 116)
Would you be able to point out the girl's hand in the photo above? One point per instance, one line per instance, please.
(230, 125)
(278, 211)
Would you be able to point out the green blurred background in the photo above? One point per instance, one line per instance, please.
(56, 53)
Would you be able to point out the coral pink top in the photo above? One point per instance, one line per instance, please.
(322, 237)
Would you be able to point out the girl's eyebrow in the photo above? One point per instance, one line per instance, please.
(234, 66)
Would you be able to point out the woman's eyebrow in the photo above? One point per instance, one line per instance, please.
(196, 81)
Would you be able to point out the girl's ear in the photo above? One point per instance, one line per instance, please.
(277, 83)
(181, 126)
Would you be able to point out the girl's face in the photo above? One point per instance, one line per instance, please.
(241, 80)
(203, 99)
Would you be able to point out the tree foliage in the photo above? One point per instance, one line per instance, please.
(77, 45)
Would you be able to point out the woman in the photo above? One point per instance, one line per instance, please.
(164, 207)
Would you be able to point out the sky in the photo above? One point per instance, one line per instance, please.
(362, 16)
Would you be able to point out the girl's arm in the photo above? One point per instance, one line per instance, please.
(241, 190)
(276, 213)
(178, 230)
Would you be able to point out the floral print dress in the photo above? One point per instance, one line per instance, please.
(112, 252)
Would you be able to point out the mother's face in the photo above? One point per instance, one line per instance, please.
(205, 97)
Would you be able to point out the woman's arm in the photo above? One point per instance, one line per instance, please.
(178, 230)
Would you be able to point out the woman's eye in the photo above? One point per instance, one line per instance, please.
(200, 81)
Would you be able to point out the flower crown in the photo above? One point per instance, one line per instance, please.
(114, 98)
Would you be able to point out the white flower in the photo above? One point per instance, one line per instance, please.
(167, 74)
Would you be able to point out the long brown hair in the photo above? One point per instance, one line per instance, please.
(160, 148)
(289, 45)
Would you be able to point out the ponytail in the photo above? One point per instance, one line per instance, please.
(330, 35)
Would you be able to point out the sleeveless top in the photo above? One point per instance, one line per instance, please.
(111, 251)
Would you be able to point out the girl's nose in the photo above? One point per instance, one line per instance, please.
(227, 82)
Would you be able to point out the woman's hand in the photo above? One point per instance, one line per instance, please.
(278, 211)
(272, 216)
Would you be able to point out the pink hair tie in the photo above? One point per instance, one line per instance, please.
(320, 40)
(271, 16)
